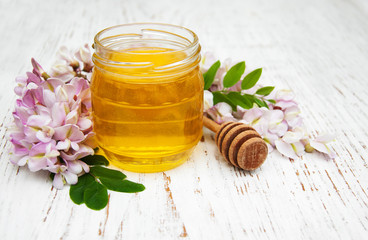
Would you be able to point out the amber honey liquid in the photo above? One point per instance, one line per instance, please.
(145, 122)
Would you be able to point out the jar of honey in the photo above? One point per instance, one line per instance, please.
(147, 95)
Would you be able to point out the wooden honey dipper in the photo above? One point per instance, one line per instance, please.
(239, 143)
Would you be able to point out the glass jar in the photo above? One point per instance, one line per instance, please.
(147, 95)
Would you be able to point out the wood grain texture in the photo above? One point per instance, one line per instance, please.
(319, 49)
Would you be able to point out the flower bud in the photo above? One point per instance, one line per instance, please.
(308, 148)
(38, 70)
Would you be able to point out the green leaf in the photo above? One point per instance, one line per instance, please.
(95, 160)
(234, 74)
(122, 186)
(219, 97)
(265, 104)
(251, 79)
(240, 100)
(76, 191)
(265, 91)
(271, 101)
(249, 97)
(99, 171)
(209, 76)
(260, 103)
(95, 196)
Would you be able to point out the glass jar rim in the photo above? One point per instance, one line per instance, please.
(191, 43)
(172, 39)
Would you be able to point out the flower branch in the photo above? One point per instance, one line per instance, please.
(273, 113)
(53, 129)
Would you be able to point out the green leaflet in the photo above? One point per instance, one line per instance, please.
(209, 76)
(220, 97)
(95, 160)
(265, 91)
(99, 171)
(95, 196)
(234, 74)
(76, 191)
(260, 103)
(242, 101)
(122, 186)
(251, 79)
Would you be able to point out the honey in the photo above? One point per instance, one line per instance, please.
(147, 95)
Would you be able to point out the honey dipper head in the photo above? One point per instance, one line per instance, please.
(241, 145)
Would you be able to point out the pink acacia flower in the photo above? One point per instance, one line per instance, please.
(52, 125)
(221, 113)
(67, 173)
(291, 144)
(72, 64)
(38, 70)
(68, 56)
(292, 116)
(207, 100)
(263, 120)
(62, 71)
(208, 58)
(320, 144)
(42, 155)
(84, 55)
(270, 124)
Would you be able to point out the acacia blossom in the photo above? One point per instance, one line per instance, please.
(71, 64)
(320, 144)
(280, 124)
(52, 122)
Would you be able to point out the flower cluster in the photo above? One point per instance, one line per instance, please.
(52, 116)
(279, 123)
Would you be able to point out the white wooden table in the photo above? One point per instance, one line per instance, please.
(318, 49)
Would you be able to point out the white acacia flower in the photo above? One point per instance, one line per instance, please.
(320, 144)
(62, 71)
(207, 100)
(291, 144)
(221, 112)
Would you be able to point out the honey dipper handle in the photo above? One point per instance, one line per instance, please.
(211, 125)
